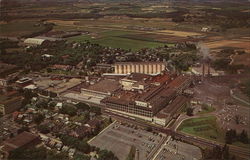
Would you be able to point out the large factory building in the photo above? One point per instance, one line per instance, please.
(144, 96)
(139, 67)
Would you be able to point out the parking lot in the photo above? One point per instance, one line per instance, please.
(176, 150)
(119, 138)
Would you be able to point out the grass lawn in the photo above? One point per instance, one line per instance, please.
(20, 28)
(205, 127)
(118, 39)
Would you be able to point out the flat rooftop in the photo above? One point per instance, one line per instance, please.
(179, 81)
(162, 78)
(64, 86)
(175, 105)
(57, 86)
(137, 77)
(105, 85)
(148, 62)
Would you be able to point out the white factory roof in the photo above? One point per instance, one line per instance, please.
(35, 41)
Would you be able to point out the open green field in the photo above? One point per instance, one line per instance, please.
(20, 28)
(205, 127)
(119, 39)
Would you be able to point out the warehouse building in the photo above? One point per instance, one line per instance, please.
(36, 41)
(139, 67)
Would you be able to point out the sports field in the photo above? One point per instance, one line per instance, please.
(205, 127)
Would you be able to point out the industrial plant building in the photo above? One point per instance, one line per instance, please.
(154, 98)
(139, 67)
(145, 96)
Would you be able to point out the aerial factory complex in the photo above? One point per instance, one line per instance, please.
(124, 80)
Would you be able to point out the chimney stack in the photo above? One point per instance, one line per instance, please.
(203, 70)
(137, 156)
(208, 69)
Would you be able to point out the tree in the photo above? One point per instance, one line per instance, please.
(52, 105)
(43, 129)
(97, 129)
(78, 156)
(49, 70)
(80, 145)
(106, 155)
(54, 156)
(83, 147)
(225, 152)
(68, 109)
(149, 129)
(42, 103)
(110, 120)
(237, 119)
(28, 95)
(217, 152)
(243, 137)
(190, 111)
(82, 106)
(86, 116)
(96, 110)
(30, 153)
(230, 136)
(38, 118)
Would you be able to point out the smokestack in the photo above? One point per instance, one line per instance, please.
(208, 69)
(203, 70)
(137, 156)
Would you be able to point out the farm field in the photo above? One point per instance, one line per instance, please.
(20, 28)
(118, 39)
(235, 43)
(118, 33)
(242, 59)
(178, 33)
